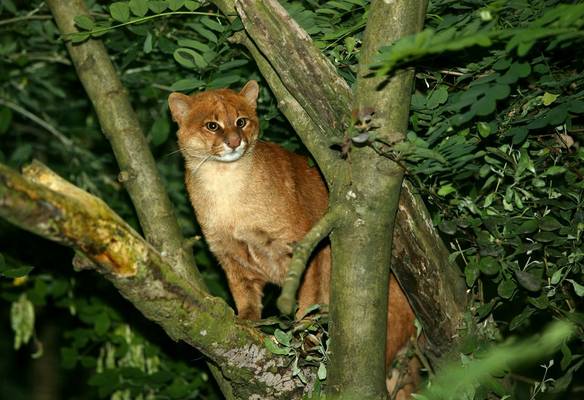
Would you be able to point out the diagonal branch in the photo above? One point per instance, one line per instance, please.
(312, 79)
(120, 125)
(302, 252)
(51, 207)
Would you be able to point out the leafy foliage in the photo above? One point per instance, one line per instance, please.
(494, 144)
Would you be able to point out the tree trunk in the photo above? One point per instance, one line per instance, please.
(361, 245)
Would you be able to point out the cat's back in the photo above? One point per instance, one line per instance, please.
(289, 176)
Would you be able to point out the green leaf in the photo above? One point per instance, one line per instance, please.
(557, 276)
(445, 190)
(194, 44)
(157, 7)
(102, 323)
(212, 24)
(545, 237)
(191, 5)
(549, 223)
(321, 373)
(541, 302)
(187, 84)
(274, 348)
(22, 320)
(282, 337)
(489, 265)
(471, 273)
(147, 48)
(439, 96)
(175, 4)
(160, 131)
(554, 170)
(528, 281)
(499, 91)
(16, 272)
(549, 98)
(189, 58)
(578, 288)
(506, 288)
(207, 34)
(5, 119)
(78, 37)
(139, 7)
(484, 129)
(520, 319)
(84, 22)
(448, 227)
(120, 11)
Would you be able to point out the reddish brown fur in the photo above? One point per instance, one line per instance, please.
(253, 209)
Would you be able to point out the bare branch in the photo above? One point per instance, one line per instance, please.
(120, 125)
(312, 79)
(302, 252)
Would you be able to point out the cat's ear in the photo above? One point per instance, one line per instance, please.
(179, 105)
(250, 91)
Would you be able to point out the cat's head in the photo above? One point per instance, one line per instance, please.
(219, 125)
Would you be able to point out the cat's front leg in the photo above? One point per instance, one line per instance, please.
(246, 288)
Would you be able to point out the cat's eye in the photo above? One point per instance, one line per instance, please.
(241, 122)
(212, 126)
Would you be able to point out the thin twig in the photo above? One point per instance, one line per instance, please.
(24, 18)
(39, 121)
(302, 252)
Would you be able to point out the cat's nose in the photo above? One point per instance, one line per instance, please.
(233, 141)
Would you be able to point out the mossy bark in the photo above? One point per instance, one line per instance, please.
(49, 206)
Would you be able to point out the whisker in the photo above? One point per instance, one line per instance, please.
(201, 163)
(172, 153)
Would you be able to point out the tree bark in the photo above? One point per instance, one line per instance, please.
(121, 127)
(361, 245)
(51, 207)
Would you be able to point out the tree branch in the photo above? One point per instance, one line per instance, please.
(437, 294)
(302, 252)
(120, 125)
(51, 207)
(312, 79)
(304, 126)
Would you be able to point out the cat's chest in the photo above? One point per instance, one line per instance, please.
(221, 197)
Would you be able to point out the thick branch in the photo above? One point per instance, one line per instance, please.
(52, 208)
(120, 125)
(417, 250)
(304, 126)
(366, 238)
(302, 252)
(305, 72)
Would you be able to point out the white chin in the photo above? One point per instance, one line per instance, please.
(229, 154)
